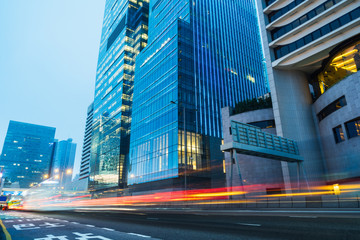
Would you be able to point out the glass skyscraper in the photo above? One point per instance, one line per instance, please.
(124, 35)
(27, 152)
(63, 160)
(202, 55)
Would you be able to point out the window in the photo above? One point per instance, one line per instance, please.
(345, 19)
(264, 124)
(353, 128)
(278, 32)
(332, 107)
(338, 134)
(342, 64)
(281, 51)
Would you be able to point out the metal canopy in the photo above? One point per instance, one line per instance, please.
(250, 140)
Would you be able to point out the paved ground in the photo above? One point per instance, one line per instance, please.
(182, 224)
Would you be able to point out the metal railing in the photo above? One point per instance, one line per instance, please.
(252, 135)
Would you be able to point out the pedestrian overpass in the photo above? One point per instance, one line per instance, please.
(251, 140)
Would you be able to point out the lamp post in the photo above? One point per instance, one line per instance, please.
(185, 143)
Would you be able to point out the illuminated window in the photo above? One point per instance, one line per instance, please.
(343, 64)
(332, 107)
(338, 134)
(353, 128)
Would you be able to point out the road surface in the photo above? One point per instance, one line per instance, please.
(181, 224)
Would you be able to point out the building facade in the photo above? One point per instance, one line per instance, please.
(27, 153)
(198, 60)
(124, 34)
(312, 55)
(86, 151)
(63, 161)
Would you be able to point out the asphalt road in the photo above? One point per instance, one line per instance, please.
(182, 224)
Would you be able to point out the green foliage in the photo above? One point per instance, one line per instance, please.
(253, 104)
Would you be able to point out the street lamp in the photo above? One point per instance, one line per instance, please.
(185, 142)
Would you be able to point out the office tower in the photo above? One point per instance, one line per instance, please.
(86, 151)
(26, 154)
(312, 55)
(201, 56)
(63, 161)
(124, 35)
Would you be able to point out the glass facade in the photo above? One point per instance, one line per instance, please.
(343, 63)
(63, 160)
(27, 153)
(124, 35)
(199, 59)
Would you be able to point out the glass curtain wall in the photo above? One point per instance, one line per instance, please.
(124, 35)
(202, 56)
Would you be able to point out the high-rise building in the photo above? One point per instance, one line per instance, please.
(63, 161)
(124, 35)
(86, 151)
(312, 55)
(201, 55)
(27, 152)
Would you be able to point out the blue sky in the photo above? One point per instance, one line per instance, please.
(48, 57)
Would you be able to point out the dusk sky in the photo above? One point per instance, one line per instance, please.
(48, 58)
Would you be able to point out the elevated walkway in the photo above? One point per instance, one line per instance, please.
(250, 140)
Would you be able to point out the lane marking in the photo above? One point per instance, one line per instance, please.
(90, 225)
(250, 224)
(7, 235)
(139, 235)
(303, 216)
(64, 220)
(75, 223)
(109, 229)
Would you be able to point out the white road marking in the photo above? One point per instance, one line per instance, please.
(303, 216)
(109, 229)
(139, 235)
(75, 223)
(90, 225)
(250, 224)
(64, 220)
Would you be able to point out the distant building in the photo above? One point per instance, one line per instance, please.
(63, 161)
(312, 51)
(86, 151)
(27, 152)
